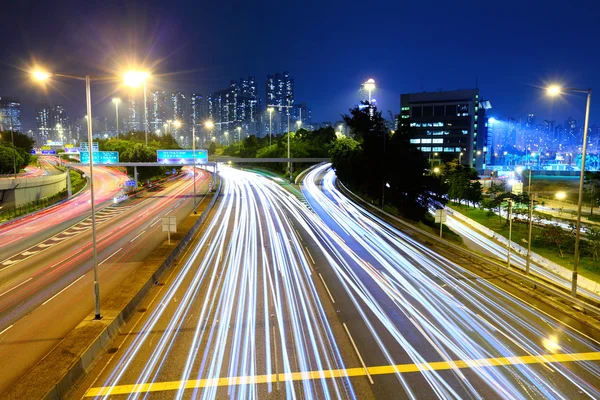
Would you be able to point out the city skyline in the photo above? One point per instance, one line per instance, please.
(507, 69)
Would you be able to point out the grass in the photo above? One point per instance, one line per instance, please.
(589, 269)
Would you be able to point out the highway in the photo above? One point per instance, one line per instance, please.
(22, 233)
(273, 298)
(46, 290)
(246, 304)
(410, 305)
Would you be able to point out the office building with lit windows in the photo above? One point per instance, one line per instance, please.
(445, 124)
(279, 95)
(10, 114)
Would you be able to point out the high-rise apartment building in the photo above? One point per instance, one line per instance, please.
(236, 106)
(158, 111)
(178, 104)
(10, 113)
(43, 119)
(131, 122)
(279, 95)
(197, 112)
(447, 123)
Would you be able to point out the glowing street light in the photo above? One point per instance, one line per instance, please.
(436, 170)
(134, 79)
(40, 75)
(555, 90)
(369, 86)
(560, 195)
(299, 123)
(177, 124)
(116, 100)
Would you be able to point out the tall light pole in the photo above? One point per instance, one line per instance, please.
(528, 261)
(555, 91)
(194, 158)
(43, 76)
(209, 124)
(510, 204)
(226, 133)
(270, 110)
(12, 139)
(369, 85)
(135, 79)
(239, 129)
(116, 100)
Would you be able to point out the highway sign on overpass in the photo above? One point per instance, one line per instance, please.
(100, 157)
(181, 156)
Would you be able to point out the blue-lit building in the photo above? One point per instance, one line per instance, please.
(10, 113)
(279, 94)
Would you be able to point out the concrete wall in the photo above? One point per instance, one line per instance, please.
(25, 190)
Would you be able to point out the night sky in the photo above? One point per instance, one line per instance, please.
(329, 47)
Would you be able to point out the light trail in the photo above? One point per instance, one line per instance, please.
(431, 308)
(249, 290)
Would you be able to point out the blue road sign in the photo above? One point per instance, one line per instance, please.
(33, 152)
(100, 157)
(173, 171)
(182, 156)
(130, 183)
(48, 152)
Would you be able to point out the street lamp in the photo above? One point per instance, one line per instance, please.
(209, 125)
(510, 205)
(299, 123)
(226, 133)
(135, 79)
(42, 76)
(560, 195)
(556, 90)
(116, 100)
(270, 110)
(369, 85)
(460, 158)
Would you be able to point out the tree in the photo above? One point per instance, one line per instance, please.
(593, 239)
(7, 153)
(592, 182)
(555, 236)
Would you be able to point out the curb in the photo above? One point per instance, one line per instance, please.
(101, 341)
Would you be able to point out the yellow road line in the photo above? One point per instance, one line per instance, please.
(341, 373)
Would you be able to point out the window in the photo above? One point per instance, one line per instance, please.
(415, 140)
(426, 141)
(438, 141)
(439, 111)
(448, 149)
(415, 124)
(438, 133)
(465, 132)
(428, 111)
(426, 149)
(438, 124)
(438, 148)
(457, 149)
(417, 112)
(451, 109)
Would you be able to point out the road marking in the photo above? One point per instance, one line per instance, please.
(22, 283)
(141, 233)
(6, 329)
(310, 255)
(326, 288)
(155, 222)
(72, 283)
(358, 354)
(29, 253)
(107, 258)
(342, 373)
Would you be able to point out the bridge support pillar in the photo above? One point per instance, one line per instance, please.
(69, 190)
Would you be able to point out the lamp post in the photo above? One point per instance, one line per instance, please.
(288, 137)
(510, 204)
(555, 91)
(194, 159)
(369, 85)
(299, 123)
(239, 129)
(270, 110)
(43, 76)
(226, 133)
(460, 158)
(116, 100)
(208, 124)
(528, 261)
(135, 79)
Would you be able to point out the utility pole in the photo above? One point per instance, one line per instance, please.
(528, 261)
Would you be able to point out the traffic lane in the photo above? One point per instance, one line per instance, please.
(34, 335)
(244, 316)
(29, 278)
(21, 234)
(420, 287)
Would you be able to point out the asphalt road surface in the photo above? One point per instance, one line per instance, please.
(46, 290)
